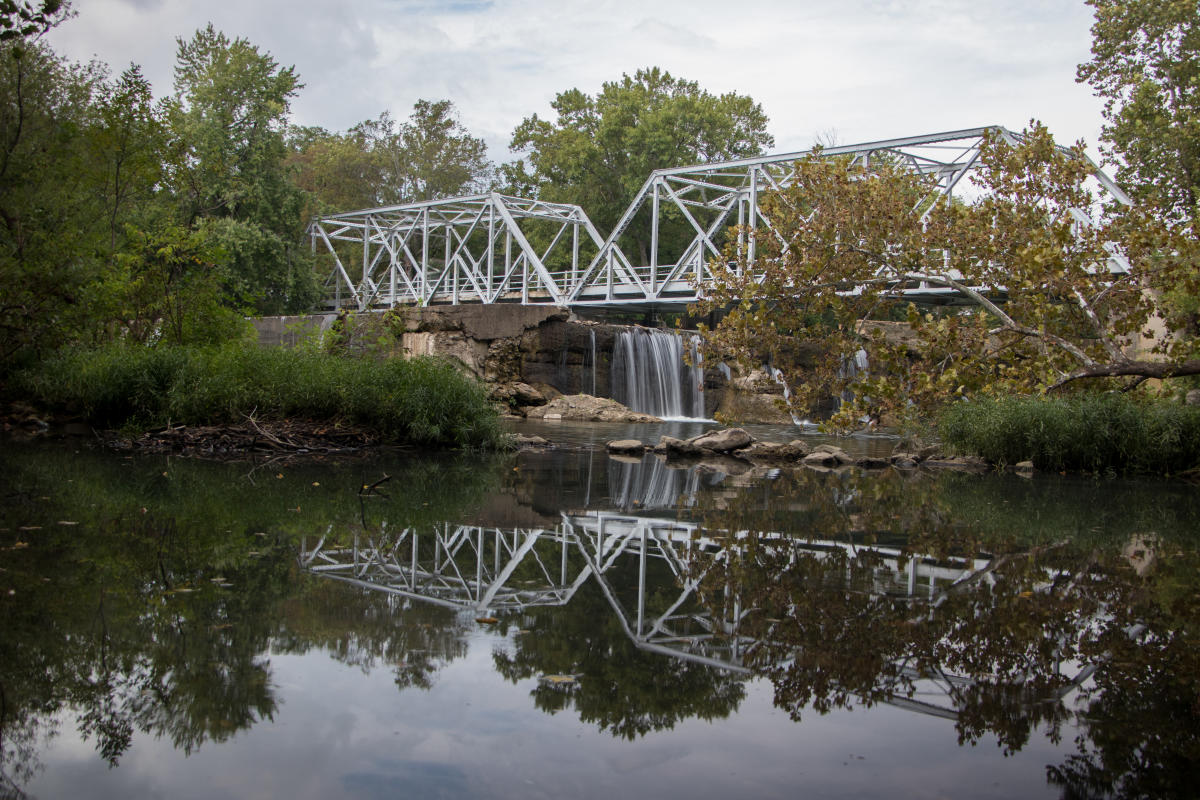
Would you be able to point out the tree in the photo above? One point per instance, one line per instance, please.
(48, 211)
(1043, 309)
(380, 163)
(1146, 66)
(433, 156)
(600, 150)
(228, 118)
(337, 171)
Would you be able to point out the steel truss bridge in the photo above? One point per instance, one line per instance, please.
(493, 248)
(480, 571)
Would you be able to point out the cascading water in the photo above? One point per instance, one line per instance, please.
(649, 374)
(589, 367)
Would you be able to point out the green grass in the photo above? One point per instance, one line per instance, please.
(423, 401)
(1108, 433)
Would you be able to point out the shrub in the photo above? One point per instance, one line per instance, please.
(418, 401)
(1089, 433)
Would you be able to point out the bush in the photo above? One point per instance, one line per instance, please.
(418, 401)
(1093, 433)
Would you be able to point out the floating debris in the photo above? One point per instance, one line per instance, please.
(559, 680)
(486, 620)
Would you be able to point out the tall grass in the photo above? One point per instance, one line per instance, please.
(418, 401)
(1093, 433)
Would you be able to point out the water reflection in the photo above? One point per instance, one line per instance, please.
(1012, 609)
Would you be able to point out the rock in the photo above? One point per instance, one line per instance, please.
(517, 394)
(626, 446)
(898, 456)
(585, 408)
(800, 446)
(524, 442)
(841, 456)
(871, 462)
(928, 451)
(774, 452)
(904, 462)
(723, 441)
(960, 463)
(821, 458)
(1024, 467)
(1192, 398)
(671, 446)
(526, 395)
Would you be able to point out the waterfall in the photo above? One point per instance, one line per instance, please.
(850, 368)
(649, 374)
(777, 376)
(589, 367)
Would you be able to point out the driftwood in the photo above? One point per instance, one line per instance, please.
(252, 436)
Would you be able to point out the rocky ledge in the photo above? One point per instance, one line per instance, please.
(737, 443)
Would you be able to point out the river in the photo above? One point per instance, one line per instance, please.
(566, 624)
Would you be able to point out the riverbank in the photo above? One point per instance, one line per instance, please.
(248, 392)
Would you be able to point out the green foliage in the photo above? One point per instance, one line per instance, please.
(379, 162)
(48, 221)
(1146, 66)
(21, 19)
(600, 150)
(229, 171)
(1063, 315)
(418, 401)
(1099, 434)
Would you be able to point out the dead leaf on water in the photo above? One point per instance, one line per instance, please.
(486, 620)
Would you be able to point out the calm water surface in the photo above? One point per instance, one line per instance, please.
(565, 624)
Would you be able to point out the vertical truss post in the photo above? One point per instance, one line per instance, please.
(491, 250)
(424, 257)
(654, 238)
(574, 253)
(750, 246)
(450, 265)
(366, 255)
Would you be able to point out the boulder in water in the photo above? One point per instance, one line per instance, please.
(676, 447)
(585, 408)
(723, 441)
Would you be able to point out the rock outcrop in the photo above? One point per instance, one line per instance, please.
(585, 408)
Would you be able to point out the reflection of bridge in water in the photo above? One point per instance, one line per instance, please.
(493, 248)
(482, 571)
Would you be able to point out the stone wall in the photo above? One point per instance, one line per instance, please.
(506, 345)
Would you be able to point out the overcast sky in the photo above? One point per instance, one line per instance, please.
(861, 69)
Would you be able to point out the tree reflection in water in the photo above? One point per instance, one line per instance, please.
(1060, 587)
(1005, 605)
(153, 605)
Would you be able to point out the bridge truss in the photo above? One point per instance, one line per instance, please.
(480, 249)
(474, 249)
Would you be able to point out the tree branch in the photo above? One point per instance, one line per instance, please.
(1141, 369)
